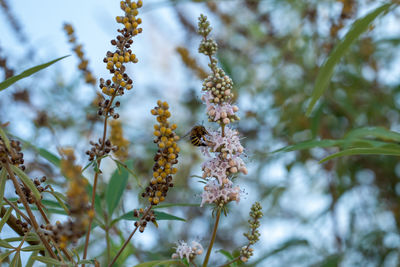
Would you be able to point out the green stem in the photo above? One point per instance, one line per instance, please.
(214, 234)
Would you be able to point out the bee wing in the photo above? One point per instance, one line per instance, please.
(186, 134)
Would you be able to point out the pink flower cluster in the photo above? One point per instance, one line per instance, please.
(219, 111)
(190, 252)
(213, 192)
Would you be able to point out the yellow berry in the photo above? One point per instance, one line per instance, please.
(153, 112)
(156, 200)
(129, 87)
(158, 193)
(174, 170)
(174, 126)
(161, 145)
(157, 133)
(139, 3)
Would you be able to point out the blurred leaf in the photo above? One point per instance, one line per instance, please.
(286, 245)
(126, 167)
(330, 261)
(228, 255)
(60, 199)
(310, 144)
(49, 156)
(16, 261)
(363, 151)
(5, 255)
(5, 217)
(159, 263)
(115, 189)
(159, 216)
(27, 73)
(31, 261)
(97, 200)
(378, 132)
(3, 179)
(326, 71)
(47, 260)
(168, 205)
(86, 262)
(5, 244)
(5, 139)
(27, 181)
(33, 248)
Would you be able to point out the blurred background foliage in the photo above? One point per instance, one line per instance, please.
(345, 212)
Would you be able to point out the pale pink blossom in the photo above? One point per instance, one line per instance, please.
(214, 192)
(183, 250)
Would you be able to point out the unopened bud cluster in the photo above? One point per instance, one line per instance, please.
(30, 198)
(207, 46)
(142, 222)
(105, 107)
(100, 149)
(253, 235)
(166, 156)
(13, 155)
(83, 62)
(123, 54)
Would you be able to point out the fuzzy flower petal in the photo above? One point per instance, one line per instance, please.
(214, 192)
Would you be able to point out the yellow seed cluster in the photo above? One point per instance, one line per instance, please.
(77, 199)
(191, 63)
(115, 60)
(83, 62)
(166, 156)
(117, 139)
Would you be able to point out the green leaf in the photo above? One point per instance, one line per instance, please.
(159, 263)
(5, 244)
(49, 156)
(60, 199)
(226, 253)
(3, 179)
(159, 216)
(33, 248)
(168, 205)
(126, 167)
(330, 261)
(310, 144)
(26, 73)
(115, 189)
(378, 132)
(16, 261)
(286, 245)
(363, 151)
(5, 255)
(47, 260)
(5, 217)
(31, 261)
(86, 262)
(326, 71)
(27, 181)
(5, 139)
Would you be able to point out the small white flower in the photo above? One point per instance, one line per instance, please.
(183, 250)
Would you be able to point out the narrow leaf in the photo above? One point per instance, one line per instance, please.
(49, 156)
(115, 189)
(5, 255)
(5, 139)
(363, 151)
(16, 261)
(27, 73)
(310, 144)
(3, 179)
(326, 71)
(226, 253)
(27, 181)
(33, 248)
(378, 132)
(60, 199)
(159, 263)
(31, 260)
(5, 244)
(5, 217)
(168, 205)
(47, 260)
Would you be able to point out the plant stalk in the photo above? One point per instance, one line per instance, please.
(214, 234)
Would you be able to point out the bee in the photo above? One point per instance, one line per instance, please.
(198, 136)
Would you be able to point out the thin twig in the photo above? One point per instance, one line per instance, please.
(96, 175)
(28, 210)
(214, 234)
(129, 238)
(230, 262)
